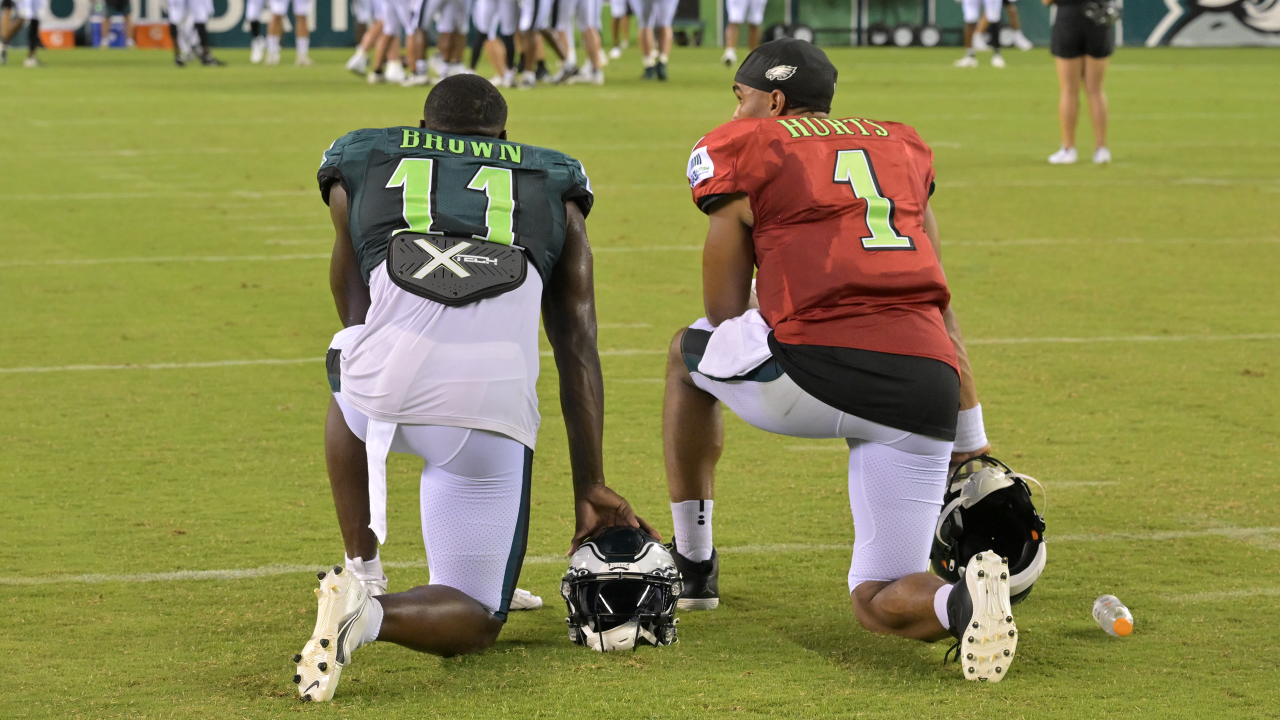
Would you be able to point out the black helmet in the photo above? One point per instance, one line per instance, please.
(987, 506)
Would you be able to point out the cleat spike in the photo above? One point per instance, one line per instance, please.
(1004, 576)
(975, 625)
(979, 557)
(324, 643)
(297, 679)
(998, 669)
(970, 638)
(306, 698)
(337, 569)
(982, 573)
(1006, 653)
(297, 658)
(969, 656)
(320, 575)
(971, 671)
(1011, 633)
(1008, 618)
(324, 667)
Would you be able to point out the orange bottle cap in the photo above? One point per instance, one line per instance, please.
(1123, 626)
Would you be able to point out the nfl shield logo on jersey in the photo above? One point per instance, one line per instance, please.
(700, 166)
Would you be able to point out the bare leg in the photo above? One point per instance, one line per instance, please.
(1069, 72)
(902, 607)
(370, 38)
(300, 26)
(559, 43)
(753, 36)
(731, 35)
(1014, 21)
(1094, 71)
(968, 34)
(276, 26)
(415, 48)
(380, 50)
(457, 47)
(692, 432)
(497, 54)
(437, 619)
(595, 50)
(646, 42)
(348, 466)
(666, 36)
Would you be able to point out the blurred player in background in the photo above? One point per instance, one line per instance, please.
(301, 34)
(194, 13)
(452, 27)
(495, 20)
(257, 42)
(11, 20)
(1084, 36)
(362, 12)
(388, 65)
(585, 14)
(1020, 41)
(620, 11)
(359, 62)
(739, 11)
(121, 9)
(973, 11)
(656, 35)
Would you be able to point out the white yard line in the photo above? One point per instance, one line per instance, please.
(165, 259)
(556, 559)
(627, 352)
(1224, 595)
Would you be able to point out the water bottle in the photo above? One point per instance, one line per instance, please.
(1113, 616)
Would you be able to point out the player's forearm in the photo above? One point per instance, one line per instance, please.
(968, 389)
(350, 294)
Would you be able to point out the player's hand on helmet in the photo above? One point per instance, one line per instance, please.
(959, 458)
(599, 508)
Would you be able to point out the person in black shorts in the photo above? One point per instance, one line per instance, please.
(1083, 38)
(120, 8)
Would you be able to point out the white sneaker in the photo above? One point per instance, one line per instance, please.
(981, 617)
(1021, 42)
(525, 600)
(527, 80)
(359, 63)
(340, 626)
(1064, 156)
(587, 77)
(273, 58)
(730, 57)
(565, 73)
(997, 61)
(501, 81)
(980, 43)
(437, 66)
(31, 62)
(416, 80)
(395, 71)
(257, 49)
(302, 60)
(1101, 156)
(615, 52)
(968, 61)
(461, 69)
(375, 78)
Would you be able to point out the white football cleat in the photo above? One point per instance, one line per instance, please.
(416, 80)
(1101, 156)
(524, 600)
(1021, 42)
(729, 58)
(981, 619)
(359, 63)
(997, 61)
(31, 62)
(302, 60)
(375, 78)
(980, 42)
(257, 50)
(340, 626)
(528, 80)
(436, 65)
(968, 61)
(394, 71)
(273, 57)
(1064, 156)
(615, 52)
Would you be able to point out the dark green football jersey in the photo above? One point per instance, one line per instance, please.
(404, 178)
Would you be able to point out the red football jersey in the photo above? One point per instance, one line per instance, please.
(842, 256)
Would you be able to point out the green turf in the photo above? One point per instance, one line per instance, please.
(1159, 456)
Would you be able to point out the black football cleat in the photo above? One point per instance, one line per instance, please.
(980, 618)
(650, 73)
(661, 71)
(178, 61)
(701, 581)
(211, 61)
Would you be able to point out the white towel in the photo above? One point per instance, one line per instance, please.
(377, 445)
(736, 347)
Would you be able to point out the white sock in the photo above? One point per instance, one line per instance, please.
(303, 44)
(420, 67)
(940, 604)
(663, 58)
(571, 57)
(375, 623)
(366, 569)
(692, 519)
(273, 43)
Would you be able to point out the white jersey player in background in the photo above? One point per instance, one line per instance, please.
(493, 19)
(656, 17)
(194, 14)
(359, 62)
(586, 15)
(739, 11)
(973, 10)
(618, 9)
(257, 42)
(301, 33)
(28, 12)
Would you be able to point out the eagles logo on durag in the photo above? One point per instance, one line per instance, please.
(778, 73)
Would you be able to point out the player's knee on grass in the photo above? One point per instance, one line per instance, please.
(875, 612)
(675, 358)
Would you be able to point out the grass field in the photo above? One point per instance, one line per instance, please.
(1123, 323)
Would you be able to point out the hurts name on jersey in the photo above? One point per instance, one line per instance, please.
(821, 127)
(428, 141)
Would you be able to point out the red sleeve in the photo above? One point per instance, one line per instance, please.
(713, 165)
(922, 160)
